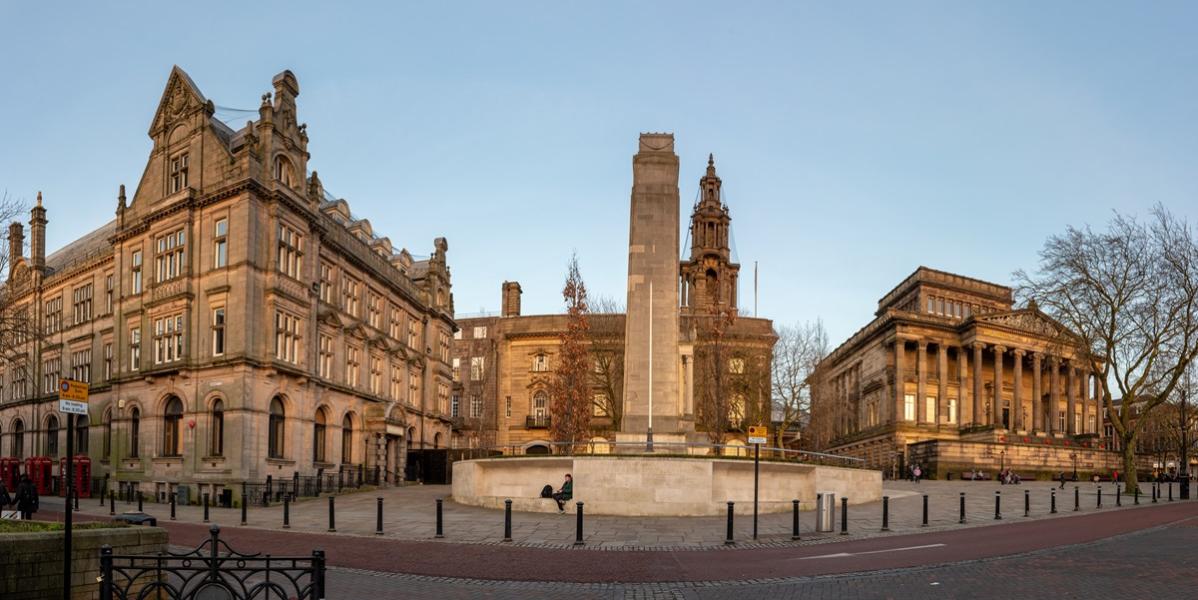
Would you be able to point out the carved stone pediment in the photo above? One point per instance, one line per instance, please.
(328, 316)
(1029, 320)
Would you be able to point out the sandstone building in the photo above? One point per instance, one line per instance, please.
(234, 320)
(681, 347)
(951, 375)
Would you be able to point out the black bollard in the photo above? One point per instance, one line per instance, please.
(103, 490)
(844, 516)
(997, 505)
(172, 507)
(440, 530)
(245, 502)
(1053, 510)
(578, 526)
(378, 516)
(1118, 495)
(728, 539)
(1154, 493)
(794, 526)
(1170, 495)
(925, 511)
(139, 502)
(76, 494)
(885, 513)
(1077, 498)
(962, 520)
(111, 504)
(332, 517)
(507, 520)
(1099, 505)
(1137, 495)
(287, 512)
(205, 507)
(1027, 503)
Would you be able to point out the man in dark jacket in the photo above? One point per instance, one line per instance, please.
(26, 499)
(564, 494)
(5, 499)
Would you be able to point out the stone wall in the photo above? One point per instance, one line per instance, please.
(656, 485)
(938, 458)
(31, 563)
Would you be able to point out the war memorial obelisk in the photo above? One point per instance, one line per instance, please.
(653, 406)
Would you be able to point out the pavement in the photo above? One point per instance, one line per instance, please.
(409, 514)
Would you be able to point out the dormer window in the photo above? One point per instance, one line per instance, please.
(178, 172)
(283, 171)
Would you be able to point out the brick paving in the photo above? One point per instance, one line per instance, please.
(409, 515)
(1156, 563)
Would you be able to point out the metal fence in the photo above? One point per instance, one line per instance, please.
(212, 571)
(592, 447)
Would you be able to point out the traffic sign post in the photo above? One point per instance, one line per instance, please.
(757, 437)
(72, 401)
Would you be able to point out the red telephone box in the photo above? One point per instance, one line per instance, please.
(83, 475)
(10, 472)
(40, 471)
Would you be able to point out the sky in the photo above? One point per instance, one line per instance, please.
(856, 140)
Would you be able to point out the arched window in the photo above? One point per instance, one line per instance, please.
(18, 439)
(106, 421)
(318, 436)
(81, 435)
(216, 442)
(411, 437)
(275, 431)
(52, 436)
(134, 433)
(171, 418)
(713, 287)
(540, 404)
(436, 441)
(283, 171)
(347, 440)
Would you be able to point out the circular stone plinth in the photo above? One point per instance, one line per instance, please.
(656, 485)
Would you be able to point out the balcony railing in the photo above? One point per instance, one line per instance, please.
(537, 422)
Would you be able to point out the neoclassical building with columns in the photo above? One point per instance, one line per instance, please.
(952, 376)
(234, 320)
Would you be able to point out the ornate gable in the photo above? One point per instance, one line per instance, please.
(1030, 320)
(180, 98)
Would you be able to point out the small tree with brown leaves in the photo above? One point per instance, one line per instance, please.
(716, 411)
(571, 386)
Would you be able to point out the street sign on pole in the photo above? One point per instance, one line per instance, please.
(72, 397)
(758, 434)
(72, 400)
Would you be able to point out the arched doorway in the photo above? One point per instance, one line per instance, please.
(537, 449)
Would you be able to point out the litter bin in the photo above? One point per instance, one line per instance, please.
(182, 495)
(825, 511)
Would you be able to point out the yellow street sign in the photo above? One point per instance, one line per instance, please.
(72, 396)
(758, 434)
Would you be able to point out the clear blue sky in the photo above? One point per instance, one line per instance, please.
(856, 140)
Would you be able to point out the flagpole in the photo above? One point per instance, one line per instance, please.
(649, 434)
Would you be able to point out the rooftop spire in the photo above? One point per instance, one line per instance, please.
(39, 198)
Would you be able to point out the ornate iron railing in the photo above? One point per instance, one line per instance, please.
(212, 571)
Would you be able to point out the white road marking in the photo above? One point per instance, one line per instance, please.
(844, 554)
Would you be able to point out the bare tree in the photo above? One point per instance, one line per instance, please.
(17, 327)
(571, 387)
(715, 411)
(1129, 297)
(798, 351)
(607, 352)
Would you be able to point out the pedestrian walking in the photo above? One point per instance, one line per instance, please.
(27, 500)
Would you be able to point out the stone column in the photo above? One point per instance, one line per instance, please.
(978, 417)
(1070, 398)
(1017, 399)
(996, 413)
(942, 391)
(921, 379)
(1054, 394)
(1037, 393)
(899, 386)
(1084, 382)
(964, 408)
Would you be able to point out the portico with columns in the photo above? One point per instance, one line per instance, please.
(951, 359)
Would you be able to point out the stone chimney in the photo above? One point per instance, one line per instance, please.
(511, 298)
(37, 229)
(16, 244)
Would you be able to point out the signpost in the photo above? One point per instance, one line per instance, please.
(757, 437)
(72, 400)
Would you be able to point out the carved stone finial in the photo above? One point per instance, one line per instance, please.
(1032, 305)
(266, 99)
(39, 198)
(121, 198)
